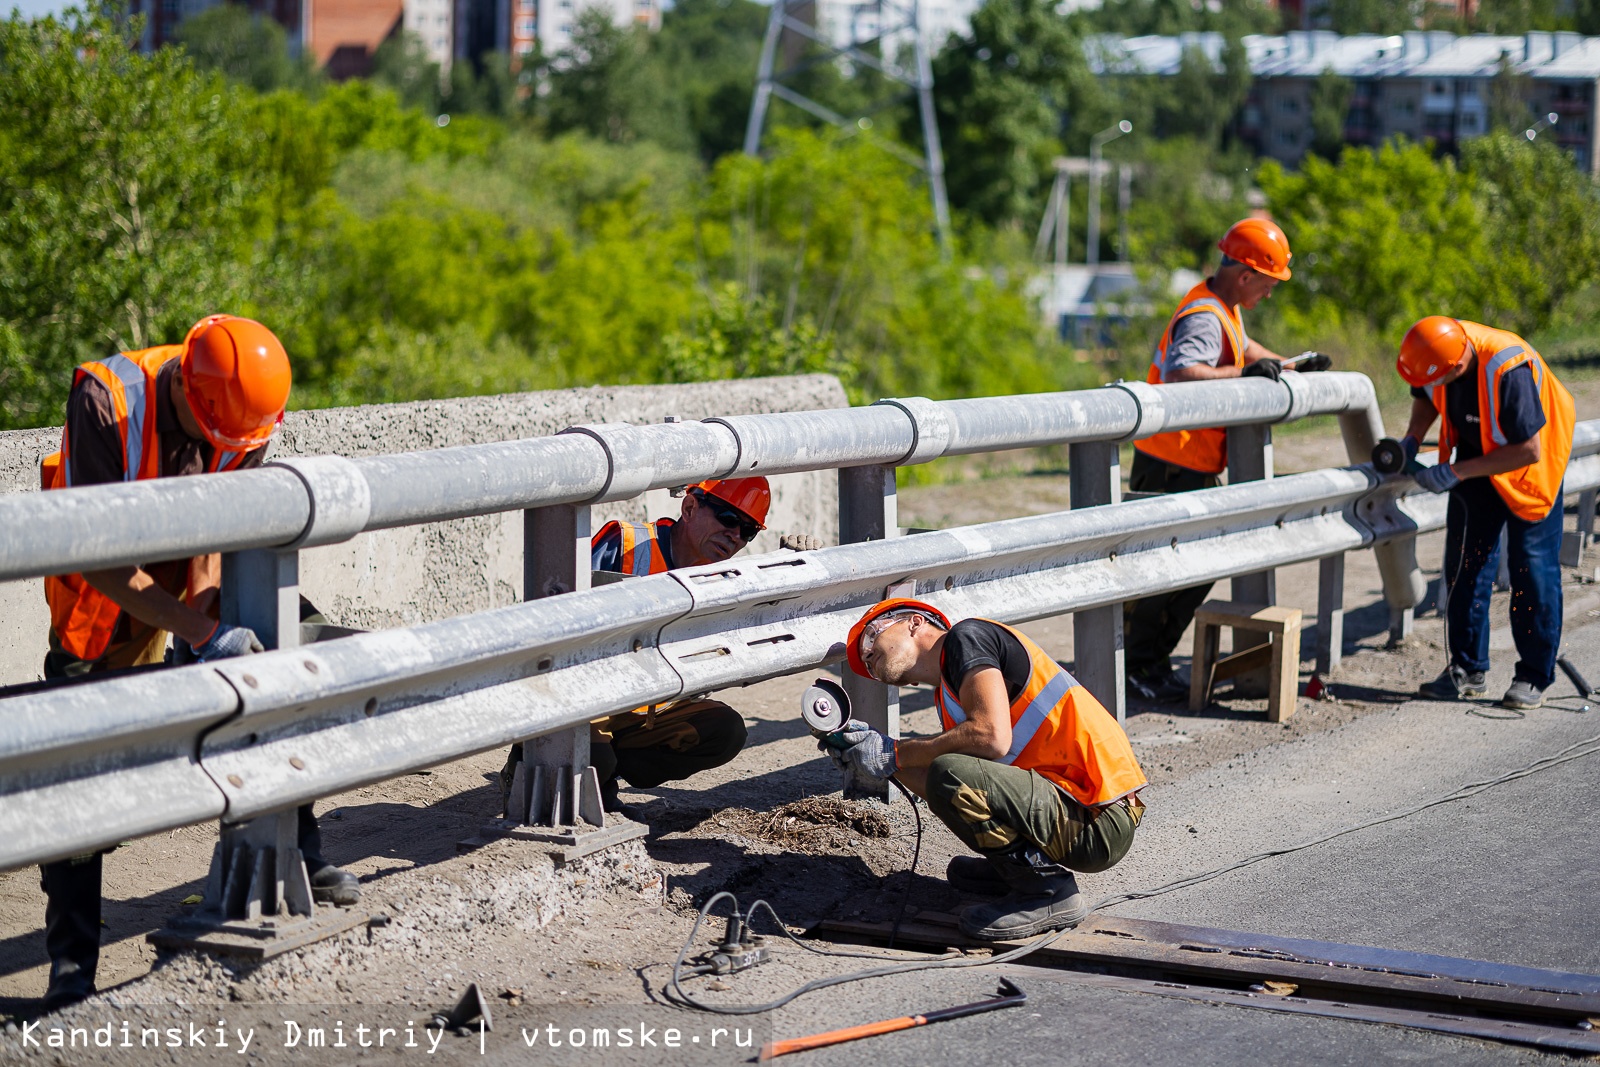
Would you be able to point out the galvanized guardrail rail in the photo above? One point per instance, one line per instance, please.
(86, 766)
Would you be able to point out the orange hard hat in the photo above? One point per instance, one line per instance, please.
(1259, 245)
(1431, 349)
(881, 608)
(236, 378)
(753, 496)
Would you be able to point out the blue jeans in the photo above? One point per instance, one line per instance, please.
(1472, 558)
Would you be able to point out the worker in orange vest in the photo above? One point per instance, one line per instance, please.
(209, 404)
(1204, 340)
(1503, 450)
(648, 747)
(1029, 771)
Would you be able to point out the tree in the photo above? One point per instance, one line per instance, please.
(1200, 101)
(607, 84)
(130, 201)
(246, 48)
(1373, 16)
(1330, 104)
(402, 63)
(1508, 98)
(1001, 95)
(708, 49)
(1544, 212)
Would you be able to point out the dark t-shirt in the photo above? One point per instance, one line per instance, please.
(973, 644)
(1521, 412)
(605, 554)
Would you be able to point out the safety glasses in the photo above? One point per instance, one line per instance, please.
(869, 636)
(732, 518)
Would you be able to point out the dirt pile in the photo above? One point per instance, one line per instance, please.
(813, 825)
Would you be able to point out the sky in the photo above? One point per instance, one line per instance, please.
(34, 8)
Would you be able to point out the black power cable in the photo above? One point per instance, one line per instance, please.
(1587, 747)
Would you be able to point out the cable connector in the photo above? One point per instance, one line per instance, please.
(742, 960)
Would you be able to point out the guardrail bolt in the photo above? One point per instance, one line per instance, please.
(297, 763)
(250, 680)
(235, 781)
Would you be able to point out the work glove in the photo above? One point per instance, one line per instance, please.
(228, 641)
(870, 755)
(1439, 478)
(1412, 447)
(1314, 361)
(800, 542)
(1263, 368)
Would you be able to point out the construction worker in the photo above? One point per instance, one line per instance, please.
(1503, 450)
(1204, 340)
(651, 746)
(1030, 770)
(209, 404)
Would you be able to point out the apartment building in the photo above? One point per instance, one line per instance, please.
(1425, 85)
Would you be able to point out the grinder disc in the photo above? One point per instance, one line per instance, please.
(825, 706)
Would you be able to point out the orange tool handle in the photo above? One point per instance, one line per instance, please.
(774, 1049)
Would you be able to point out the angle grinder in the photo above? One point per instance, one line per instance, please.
(1389, 457)
(825, 707)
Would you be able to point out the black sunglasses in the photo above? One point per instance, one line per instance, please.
(732, 518)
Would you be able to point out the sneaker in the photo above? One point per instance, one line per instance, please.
(1523, 696)
(1456, 683)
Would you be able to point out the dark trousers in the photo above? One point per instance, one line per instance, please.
(673, 745)
(995, 808)
(1153, 626)
(1477, 514)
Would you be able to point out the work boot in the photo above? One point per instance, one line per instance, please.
(1523, 696)
(609, 799)
(1157, 687)
(329, 884)
(975, 874)
(71, 928)
(1044, 896)
(1456, 683)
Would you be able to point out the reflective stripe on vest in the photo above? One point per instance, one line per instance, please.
(641, 554)
(1060, 731)
(1232, 332)
(1529, 492)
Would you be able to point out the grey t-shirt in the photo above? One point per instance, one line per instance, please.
(1196, 339)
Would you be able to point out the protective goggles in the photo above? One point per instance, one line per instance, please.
(731, 517)
(869, 636)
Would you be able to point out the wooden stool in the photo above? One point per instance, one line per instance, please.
(1282, 653)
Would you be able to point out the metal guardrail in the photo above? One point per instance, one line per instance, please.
(85, 766)
(298, 503)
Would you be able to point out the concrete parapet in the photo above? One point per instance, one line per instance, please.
(417, 574)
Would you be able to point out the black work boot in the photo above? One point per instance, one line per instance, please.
(1456, 683)
(976, 874)
(329, 884)
(71, 928)
(1044, 896)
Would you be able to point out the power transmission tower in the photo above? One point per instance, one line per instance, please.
(875, 26)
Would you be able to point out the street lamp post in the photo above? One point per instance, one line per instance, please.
(1096, 143)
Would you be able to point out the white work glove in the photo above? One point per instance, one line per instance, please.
(228, 641)
(800, 542)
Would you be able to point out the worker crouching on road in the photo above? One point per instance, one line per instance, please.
(1503, 451)
(1030, 770)
(1204, 340)
(209, 404)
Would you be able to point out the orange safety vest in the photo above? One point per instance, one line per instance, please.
(82, 617)
(1530, 492)
(641, 547)
(1199, 450)
(1060, 730)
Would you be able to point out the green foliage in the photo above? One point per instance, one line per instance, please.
(402, 64)
(130, 199)
(606, 84)
(709, 50)
(1330, 103)
(1002, 92)
(1373, 16)
(736, 337)
(247, 48)
(1188, 194)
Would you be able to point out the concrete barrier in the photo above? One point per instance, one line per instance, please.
(417, 574)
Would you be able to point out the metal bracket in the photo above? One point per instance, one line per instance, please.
(258, 899)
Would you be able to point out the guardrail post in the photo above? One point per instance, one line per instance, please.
(868, 512)
(555, 785)
(1250, 460)
(1330, 613)
(1574, 544)
(1095, 472)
